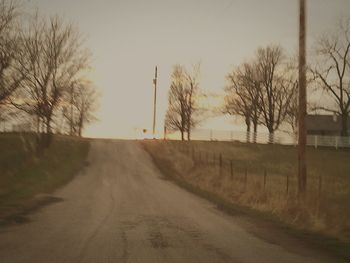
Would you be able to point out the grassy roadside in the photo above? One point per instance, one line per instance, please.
(25, 177)
(178, 165)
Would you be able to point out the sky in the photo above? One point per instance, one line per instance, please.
(128, 38)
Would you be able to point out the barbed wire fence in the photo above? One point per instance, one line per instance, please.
(245, 177)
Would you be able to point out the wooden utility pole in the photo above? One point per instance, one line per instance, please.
(71, 110)
(302, 178)
(155, 103)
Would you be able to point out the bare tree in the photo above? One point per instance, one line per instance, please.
(242, 96)
(191, 91)
(276, 90)
(291, 75)
(292, 110)
(333, 70)
(182, 113)
(80, 112)
(52, 60)
(10, 45)
(176, 116)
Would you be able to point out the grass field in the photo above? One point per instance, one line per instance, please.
(24, 176)
(263, 177)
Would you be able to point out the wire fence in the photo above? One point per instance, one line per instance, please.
(283, 138)
(264, 177)
(259, 181)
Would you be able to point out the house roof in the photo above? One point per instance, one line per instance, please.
(324, 123)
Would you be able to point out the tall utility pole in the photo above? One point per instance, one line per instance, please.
(155, 103)
(71, 109)
(302, 178)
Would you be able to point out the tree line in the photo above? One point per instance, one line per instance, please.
(43, 65)
(264, 89)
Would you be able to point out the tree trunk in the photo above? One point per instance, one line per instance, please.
(188, 127)
(48, 134)
(80, 130)
(344, 124)
(44, 138)
(271, 135)
(182, 135)
(247, 122)
(189, 134)
(255, 127)
(81, 124)
(248, 134)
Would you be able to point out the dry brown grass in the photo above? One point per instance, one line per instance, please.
(326, 208)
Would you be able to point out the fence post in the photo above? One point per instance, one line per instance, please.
(231, 169)
(336, 142)
(220, 164)
(287, 184)
(265, 175)
(213, 158)
(316, 141)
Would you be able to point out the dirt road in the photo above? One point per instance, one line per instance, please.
(119, 209)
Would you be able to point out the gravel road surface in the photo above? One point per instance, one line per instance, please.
(121, 209)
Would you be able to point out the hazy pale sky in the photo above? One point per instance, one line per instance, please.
(129, 37)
